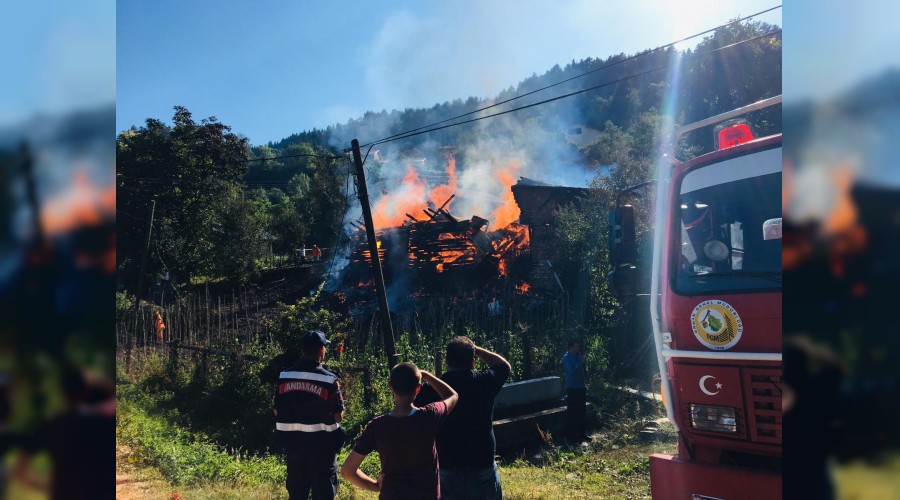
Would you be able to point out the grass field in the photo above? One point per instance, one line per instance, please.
(155, 459)
(859, 480)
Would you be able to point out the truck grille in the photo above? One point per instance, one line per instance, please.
(764, 404)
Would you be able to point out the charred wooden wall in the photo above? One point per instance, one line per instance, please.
(539, 205)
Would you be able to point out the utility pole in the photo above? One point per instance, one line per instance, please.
(386, 327)
(140, 287)
(137, 293)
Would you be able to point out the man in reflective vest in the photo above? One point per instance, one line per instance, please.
(308, 411)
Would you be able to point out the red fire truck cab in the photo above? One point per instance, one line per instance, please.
(715, 309)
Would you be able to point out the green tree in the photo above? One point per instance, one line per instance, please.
(239, 236)
(189, 168)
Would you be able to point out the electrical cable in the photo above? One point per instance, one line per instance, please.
(327, 157)
(606, 66)
(570, 94)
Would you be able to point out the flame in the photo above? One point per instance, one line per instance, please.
(82, 205)
(522, 287)
(508, 211)
(391, 210)
(515, 241)
(410, 197)
(367, 254)
(442, 193)
(840, 227)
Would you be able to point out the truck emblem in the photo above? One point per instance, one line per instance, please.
(716, 324)
(707, 391)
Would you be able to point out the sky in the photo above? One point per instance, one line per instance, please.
(59, 57)
(831, 45)
(270, 71)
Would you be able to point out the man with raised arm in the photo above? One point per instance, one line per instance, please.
(404, 440)
(466, 444)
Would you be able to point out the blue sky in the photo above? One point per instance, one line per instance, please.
(58, 56)
(830, 45)
(269, 70)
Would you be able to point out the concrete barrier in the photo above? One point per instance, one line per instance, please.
(524, 409)
(529, 392)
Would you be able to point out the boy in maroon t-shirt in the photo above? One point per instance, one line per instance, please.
(404, 439)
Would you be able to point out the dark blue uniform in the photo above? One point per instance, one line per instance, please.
(307, 398)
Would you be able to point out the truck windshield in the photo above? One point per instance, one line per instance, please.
(727, 212)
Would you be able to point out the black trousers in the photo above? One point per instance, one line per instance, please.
(576, 399)
(312, 471)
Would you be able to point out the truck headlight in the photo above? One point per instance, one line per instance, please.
(713, 418)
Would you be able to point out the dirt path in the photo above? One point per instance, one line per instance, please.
(134, 482)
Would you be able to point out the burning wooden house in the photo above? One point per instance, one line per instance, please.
(442, 252)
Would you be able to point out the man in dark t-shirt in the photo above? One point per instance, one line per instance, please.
(466, 444)
(404, 440)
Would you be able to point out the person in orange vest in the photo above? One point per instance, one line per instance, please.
(339, 349)
(159, 326)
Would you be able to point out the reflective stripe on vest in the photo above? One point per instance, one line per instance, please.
(281, 426)
(318, 377)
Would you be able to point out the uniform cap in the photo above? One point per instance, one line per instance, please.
(314, 338)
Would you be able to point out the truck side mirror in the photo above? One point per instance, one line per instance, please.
(623, 281)
(622, 241)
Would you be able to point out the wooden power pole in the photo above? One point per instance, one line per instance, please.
(137, 298)
(386, 327)
(137, 293)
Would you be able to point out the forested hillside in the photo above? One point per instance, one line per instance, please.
(705, 85)
(218, 214)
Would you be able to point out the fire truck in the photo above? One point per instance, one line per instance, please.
(715, 307)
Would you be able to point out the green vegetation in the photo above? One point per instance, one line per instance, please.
(171, 458)
(204, 423)
(186, 458)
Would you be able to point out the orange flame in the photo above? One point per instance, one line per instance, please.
(391, 210)
(522, 287)
(508, 211)
(442, 193)
(516, 240)
(82, 205)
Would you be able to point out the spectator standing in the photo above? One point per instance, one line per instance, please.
(316, 253)
(308, 411)
(404, 440)
(465, 443)
(576, 393)
(159, 326)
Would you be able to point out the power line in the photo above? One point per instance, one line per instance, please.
(606, 66)
(326, 157)
(570, 94)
